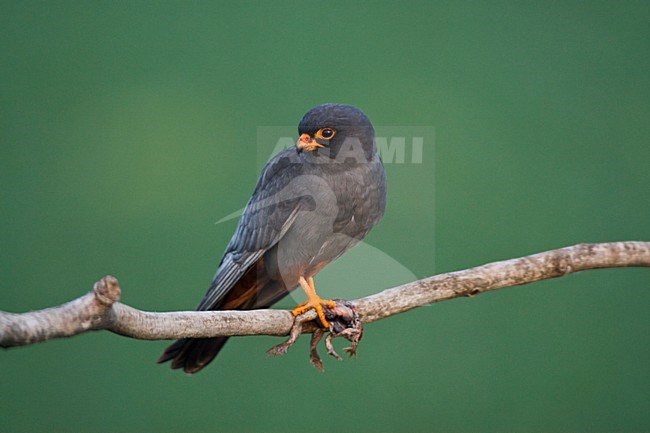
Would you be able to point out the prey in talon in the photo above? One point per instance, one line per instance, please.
(343, 321)
(311, 204)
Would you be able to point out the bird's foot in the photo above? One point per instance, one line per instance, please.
(314, 302)
(318, 305)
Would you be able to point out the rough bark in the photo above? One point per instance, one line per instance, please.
(101, 309)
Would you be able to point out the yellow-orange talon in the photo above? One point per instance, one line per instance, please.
(313, 302)
(316, 306)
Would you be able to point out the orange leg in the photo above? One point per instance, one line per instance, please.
(313, 301)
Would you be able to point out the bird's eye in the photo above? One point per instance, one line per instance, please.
(325, 133)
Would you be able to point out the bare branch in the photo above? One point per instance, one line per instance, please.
(100, 309)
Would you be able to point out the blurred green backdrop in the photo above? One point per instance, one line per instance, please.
(128, 129)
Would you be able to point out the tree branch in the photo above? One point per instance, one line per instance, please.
(101, 309)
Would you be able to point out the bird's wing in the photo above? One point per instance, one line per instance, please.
(270, 212)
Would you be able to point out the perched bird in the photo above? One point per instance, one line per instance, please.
(311, 204)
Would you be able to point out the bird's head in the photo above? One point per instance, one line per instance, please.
(338, 131)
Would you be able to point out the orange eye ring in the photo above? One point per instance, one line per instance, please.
(325, 133)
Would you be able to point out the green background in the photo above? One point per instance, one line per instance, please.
(127, 129)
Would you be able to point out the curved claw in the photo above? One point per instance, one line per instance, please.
(313, 302)
(316, 305)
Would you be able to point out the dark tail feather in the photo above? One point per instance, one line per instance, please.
(192, 354)
(250, 292)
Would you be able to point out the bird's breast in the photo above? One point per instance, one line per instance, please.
(347, 204)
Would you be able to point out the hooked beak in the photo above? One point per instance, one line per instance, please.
(307, 144)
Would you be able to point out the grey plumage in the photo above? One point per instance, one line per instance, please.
(307, 209)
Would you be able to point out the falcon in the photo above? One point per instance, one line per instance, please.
(311, 204)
